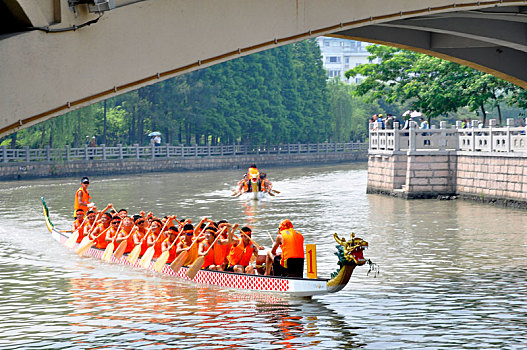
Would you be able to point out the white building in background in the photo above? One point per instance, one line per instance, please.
(341, 55)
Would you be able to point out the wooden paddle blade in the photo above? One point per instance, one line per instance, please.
(85, 240)
(275, 191)
(134, 254)
(271, 194)
(179, 261)
(195, 267)
(147, 258)
(161, 261)
(107, 256)
(84, 248)
(120, 250)
(71, 241)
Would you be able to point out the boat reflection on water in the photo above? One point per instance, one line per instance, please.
(157, 313)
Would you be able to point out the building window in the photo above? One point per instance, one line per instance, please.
(326, 42)
(333, 59)
(347, 60)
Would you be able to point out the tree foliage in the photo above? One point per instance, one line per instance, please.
(276, 96)
(431, 85)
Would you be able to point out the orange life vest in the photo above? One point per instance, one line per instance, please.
(209, 258)
(85, 198)
(171, 251)
(292, 245)
(129, 241)
(240, 254)
(192, 253)
(101, 241)
(158, 247)
(220, 253)
(101, 238)
(76, 225)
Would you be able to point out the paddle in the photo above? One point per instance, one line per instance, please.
(87, 237)
(82, 249)
(256, 244)
(149, 254)
(182, 257)
(162, 260)
(275, 191)
(107, 255)
(271, 237)
(73, 238)
(118, 254)
(196, 265)
(134, 254)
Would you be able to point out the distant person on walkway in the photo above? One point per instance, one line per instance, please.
(157, 140)
(82, 197)
(93, 142)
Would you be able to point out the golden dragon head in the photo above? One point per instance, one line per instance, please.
(352, 249)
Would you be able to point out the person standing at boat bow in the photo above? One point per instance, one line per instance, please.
(82, 197)
(291, 261)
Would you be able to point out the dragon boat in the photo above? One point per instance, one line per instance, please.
(349, 252)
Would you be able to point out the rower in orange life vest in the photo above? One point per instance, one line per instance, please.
(112, 231)
(103, 225)
(291, 261)
(266, 185)
(185, 244)
(210, 236)
(82, 197)
(224, 244)
(79, 224)
(152, 239)
(241, 252)
(126, 234)
(139, 232)
(168, 243)
(92, 220)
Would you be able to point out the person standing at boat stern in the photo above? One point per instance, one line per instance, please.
(291, 261)
(82, 197)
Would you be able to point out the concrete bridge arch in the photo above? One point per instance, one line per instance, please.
(55, 58)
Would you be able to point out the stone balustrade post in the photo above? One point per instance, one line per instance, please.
(492, 124)
(396, 137)
(459, 124)
(120, 151)
(167, 146)
(48, 153)
(509, 123)
(26, 150)
(86, 157)
(104, 155)
(136, 146)
(196, 150)
(4, 153)
(67, 153)
(411, 137)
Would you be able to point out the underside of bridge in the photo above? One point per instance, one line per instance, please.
(60, 55)
(493, 40)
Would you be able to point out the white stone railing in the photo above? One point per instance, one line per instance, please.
(473, 139)
(103, 152)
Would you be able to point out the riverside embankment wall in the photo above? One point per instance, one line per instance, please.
(28, 170)
(483, 164)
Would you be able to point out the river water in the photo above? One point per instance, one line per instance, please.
(453, 274)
